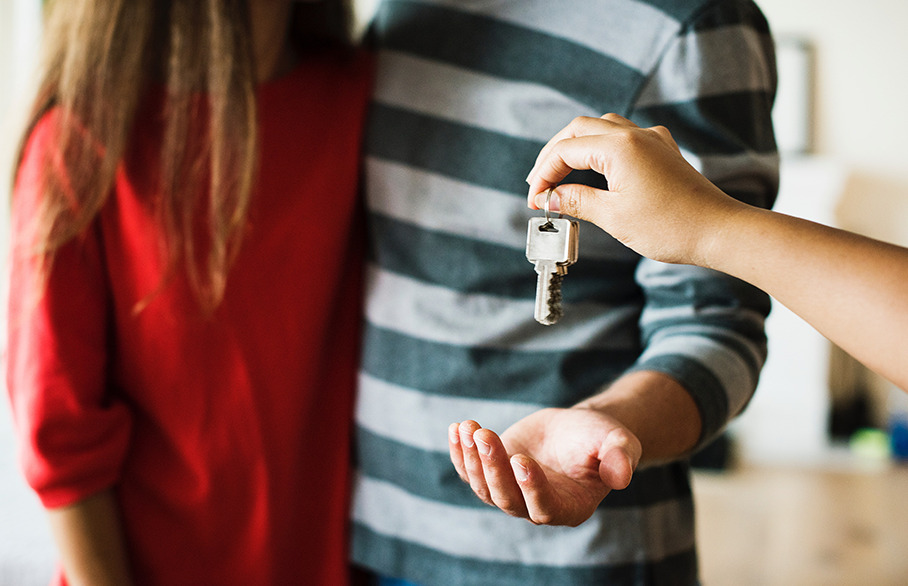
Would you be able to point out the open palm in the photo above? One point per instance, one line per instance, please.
(552, 467)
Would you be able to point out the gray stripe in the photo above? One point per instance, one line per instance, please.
(725, 70)
(586, 23)
(387, 410)
(653, 316)
(522, 109)
(652, 274)
(751, 177)
(443, 204)
(488, 534)
(505, 50)
(437, 314)
(729, 368)
(753, 349)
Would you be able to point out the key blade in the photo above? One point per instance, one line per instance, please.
(548, 309)
(548, 299)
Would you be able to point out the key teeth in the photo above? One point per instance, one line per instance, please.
(556, 310)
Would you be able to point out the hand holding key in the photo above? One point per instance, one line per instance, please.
(656, 203)
(552, 246)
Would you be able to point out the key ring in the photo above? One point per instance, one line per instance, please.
(548, 226)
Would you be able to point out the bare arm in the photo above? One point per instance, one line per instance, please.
(850, 288)
(91, 543)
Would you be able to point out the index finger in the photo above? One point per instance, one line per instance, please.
(555, 172)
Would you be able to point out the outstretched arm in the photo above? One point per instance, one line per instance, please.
(850, 288)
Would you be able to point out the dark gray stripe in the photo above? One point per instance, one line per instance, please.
(506, 50)
(722, 13)
(719, 133)
(473, 266)
(461, 152)
(756, 336)
(558, 379)
(393, 557)
(717, 292)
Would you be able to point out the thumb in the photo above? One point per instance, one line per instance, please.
(579, 201)
(619, 458)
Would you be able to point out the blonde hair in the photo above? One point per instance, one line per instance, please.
(99, 58)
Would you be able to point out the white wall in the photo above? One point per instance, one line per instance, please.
(861, 111)
(861, 102)
(856, 178)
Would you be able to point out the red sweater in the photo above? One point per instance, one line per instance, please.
(226, 439)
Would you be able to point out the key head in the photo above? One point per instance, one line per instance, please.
(555, 240)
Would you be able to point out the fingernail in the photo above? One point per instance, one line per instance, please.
(484, 448)
(520, 471)
(454, 435)
(554, 201)
(467, 439)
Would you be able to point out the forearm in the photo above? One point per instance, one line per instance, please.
(90, 538)
(655, 408)
(850, 288)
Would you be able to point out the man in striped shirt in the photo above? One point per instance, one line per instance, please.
(468, 91)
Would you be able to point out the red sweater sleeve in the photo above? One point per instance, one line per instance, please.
(72, 434)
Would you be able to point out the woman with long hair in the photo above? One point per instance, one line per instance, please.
(185, 289)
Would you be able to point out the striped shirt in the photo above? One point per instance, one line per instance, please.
(468, 92)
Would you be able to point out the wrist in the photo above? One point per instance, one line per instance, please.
(721, 233)
(655, 408)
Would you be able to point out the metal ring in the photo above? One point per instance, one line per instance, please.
(548, 196)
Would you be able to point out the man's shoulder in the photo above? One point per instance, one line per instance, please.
(686, 11)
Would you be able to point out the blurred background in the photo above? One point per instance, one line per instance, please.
(804, 488)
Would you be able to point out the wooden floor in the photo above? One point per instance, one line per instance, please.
(803, 527)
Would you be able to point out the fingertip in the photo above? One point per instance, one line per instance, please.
(454, 433)
(554, 200)
(486, 440)
(617, 469)
(531, 201)
(466, 430)
(521, 471)
(468, 425)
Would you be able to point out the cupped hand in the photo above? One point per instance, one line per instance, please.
(552, 467)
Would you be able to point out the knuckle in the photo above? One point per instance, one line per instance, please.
(483, 493)
(623, 438)
(580, 122)
(511, 506)
(570, 200)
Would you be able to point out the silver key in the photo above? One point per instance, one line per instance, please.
(552, 246)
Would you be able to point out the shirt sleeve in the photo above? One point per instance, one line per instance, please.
(72, 434)
(713, 88)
